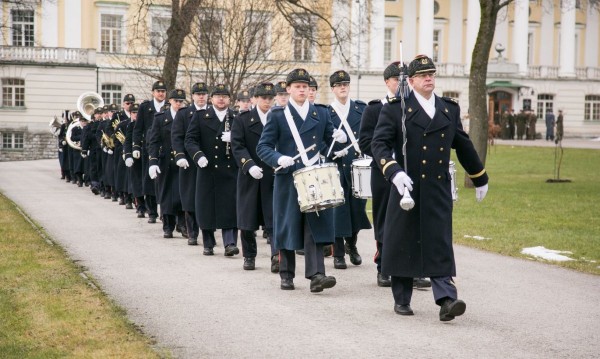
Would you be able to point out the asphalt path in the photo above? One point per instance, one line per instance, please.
(201, 307)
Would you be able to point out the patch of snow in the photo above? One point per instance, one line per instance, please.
(548, 254)
(479, 238)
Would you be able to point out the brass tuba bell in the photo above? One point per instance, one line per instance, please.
(86, 104)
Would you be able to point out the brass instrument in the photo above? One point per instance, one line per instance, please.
(86, 104)
(120, 136)
(107, 141)
(227, 129)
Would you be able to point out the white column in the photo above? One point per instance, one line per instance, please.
(455, 33)
(591, 38)
(547, 37)
(49, 23)
(409, 31)
(72, 21)
(376, 35)
(520, 35)
(473, 20)
(426, 27)
(567, 40)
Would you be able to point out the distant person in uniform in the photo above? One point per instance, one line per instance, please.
(521, 118)
(549, 125)
(559, 127)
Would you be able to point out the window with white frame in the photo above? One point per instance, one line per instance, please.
(13, 92)
(210, 32)
(388, 42)
(530, 48)
(13, 140)
(111, 93)
(258, 30)
(545, 103)
(451, 94)
(437, 34)
(592, 108)
(23, 29)
(303, 33)
(111, 32)
(158, 34)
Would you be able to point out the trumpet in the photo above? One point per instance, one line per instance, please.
(120, 136)
(107, 141)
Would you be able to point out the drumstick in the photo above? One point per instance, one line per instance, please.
(333, 142)
(346, 148)
(299, 154)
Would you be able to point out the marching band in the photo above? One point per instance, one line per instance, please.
(300, 170)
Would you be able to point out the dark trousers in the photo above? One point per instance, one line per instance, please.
(314, 261)
(249, 244)
(442, 287)
(140, 204)
(229, 237)
(151, 206)
(338, 245)
(170, 221)
(377, 258)
(191, 225)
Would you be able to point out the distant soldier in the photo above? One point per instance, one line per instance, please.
(531, 121)
(313, 87)
(134, 166)
(242, 101)
(520, 120)
(511, 124)
(504, 126)
(559, 127)
(549, 125)
(282, 96)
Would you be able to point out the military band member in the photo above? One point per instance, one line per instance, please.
(134, 166)
(313, 87)
(63, 148)
(100, 138)
(208, 142)
(78, 164)
(351, 217)
(520, 120)
(418, 242)
(255, 179)
(242, 101)
(187, 170)
(162, 165)
(91, 149)
(121, 173)
(140, 146)
(109, 168)
(281, 94)
(293, 229)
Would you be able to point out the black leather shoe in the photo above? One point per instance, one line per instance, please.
(383, 280)
(327, 250)
(121, 202)
(352, 251)
(452, 308)
(184, 232)
(128, 206)
(79, 184)
(231, 250)
(249, 264)
(168, 235)
(275, 264)
(403, 309)
(287, 284)
(95, 190)
(114, 199)
(339, 263)
(192, 242)
(152, 220)
(107, 195)
(319, 281)
(208, 252)
(421, 283)
(141, 215)
(300, 252)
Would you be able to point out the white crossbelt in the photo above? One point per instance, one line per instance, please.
(343, 119)
(301, 149)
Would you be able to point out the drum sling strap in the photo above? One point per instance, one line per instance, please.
(301, 149)
(344, 120)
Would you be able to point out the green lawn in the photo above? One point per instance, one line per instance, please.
(522, 210)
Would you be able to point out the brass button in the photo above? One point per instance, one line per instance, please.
(443, 135)
(216, 156)
(228, 166)
(422, 176)
(424, 162)
(314, 136)
(441, 148)
(216, 146)
(355, 132)
(424, 147)
(216, 138)
(440, 162)
(439, 177)
(216, 166)
(424, 135)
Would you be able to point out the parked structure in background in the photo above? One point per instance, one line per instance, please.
(546, 56)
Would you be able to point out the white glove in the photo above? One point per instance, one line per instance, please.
(105, 149)
(63, 143)
(256, 172)
(402, 180)
(226, 136)
(341, 153)
(285, 161)
(60, 150)
(83, 154)
(202, 162)
(136, 154)
(109, 151)
(129, 162)
(123, 156)
(340, 136)
(153, 171)
(480, 192)
(183, 163)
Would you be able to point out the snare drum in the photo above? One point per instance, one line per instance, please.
(318, 187)
(453, 186)
(361, 178)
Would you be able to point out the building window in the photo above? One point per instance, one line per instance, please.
(545, 103)
(110, 33)
(436, 45)
(111, 93)
(22, 27)
(592, 108)
(303, 47)
(13, 140)
(158, 34)
(530, 48)
(258, 32)
(451, 94)
(388, 42)
(210, 33)
(13, 92)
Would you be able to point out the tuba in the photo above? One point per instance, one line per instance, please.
(86, 104)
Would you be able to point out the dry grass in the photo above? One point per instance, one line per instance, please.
(48, 310)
